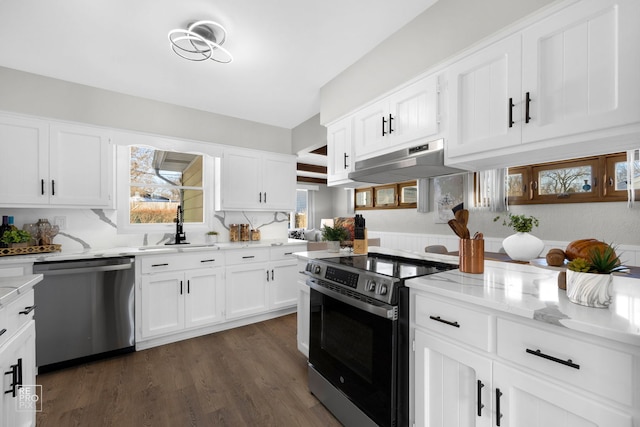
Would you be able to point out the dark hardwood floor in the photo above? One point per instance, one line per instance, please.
(249, 376)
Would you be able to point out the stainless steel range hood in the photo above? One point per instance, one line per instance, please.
(422, 161)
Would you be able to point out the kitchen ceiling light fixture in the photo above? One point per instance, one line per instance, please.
(200, 41)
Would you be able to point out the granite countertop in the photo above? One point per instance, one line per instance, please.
(532, 292)
(142, 250)
(11, 287)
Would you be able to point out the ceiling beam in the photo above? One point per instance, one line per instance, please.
(305, 167)
(312, 180)
(321, 151)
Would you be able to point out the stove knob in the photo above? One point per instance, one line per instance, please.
(382, 290)
(308, 267)
(317, 269)
(370, 286)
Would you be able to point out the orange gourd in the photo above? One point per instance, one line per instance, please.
(582, 248)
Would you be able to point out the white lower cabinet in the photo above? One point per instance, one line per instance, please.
(18, 363)
(528, 376)
(246, 290)
(304, 307)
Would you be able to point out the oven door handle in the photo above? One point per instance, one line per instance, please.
(381, 310)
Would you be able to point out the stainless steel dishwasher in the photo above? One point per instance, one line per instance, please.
(85, 310)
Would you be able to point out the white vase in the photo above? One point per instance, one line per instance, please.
(333, 246)
(522, 246)
(592, 290)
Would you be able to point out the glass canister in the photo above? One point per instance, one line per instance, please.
(244, 232)
(234, 232)
(44, 231)
(255, 235)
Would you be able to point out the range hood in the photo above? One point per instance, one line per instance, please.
(422, 161)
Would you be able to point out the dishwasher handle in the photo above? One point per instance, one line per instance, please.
(86, 269)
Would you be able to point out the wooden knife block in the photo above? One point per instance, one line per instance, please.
(361, 247)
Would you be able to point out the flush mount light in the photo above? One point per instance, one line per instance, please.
(200, 41)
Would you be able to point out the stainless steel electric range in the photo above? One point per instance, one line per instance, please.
(359, 335)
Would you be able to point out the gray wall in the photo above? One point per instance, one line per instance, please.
(446, 28)
(36, 95)
(309, 133)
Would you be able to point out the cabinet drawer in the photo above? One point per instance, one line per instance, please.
(286, 251)
(460, 323)
(175, 262)
(593, 367)
(243, 256)
(16, 314)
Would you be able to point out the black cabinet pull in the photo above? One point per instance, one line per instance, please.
(447, 322)
(511, 122)
(260, 198)
(248, 256)
(271, 274)
(159, 265)
(288, 253)
(568, 362)
(188, 286)
(16, 377)
(384, 122)
(267, 275)
(527, 117)
(498, 412)
(345, 160)
(390, 124)
(28, 310)
(180, 287)
(480, 386)
(53, 187)
(42, 187)
(3, 331)
(208, 260)
(265, 197)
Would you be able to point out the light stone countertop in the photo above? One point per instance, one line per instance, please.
(11, 287)
(528, 291)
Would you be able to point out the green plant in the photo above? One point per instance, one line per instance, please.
(334, 234)
(15, 236)
(212, 233)
(600, 261)
(520, 223)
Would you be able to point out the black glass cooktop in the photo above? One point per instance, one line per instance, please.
(397, 267)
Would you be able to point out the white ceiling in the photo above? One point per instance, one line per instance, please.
(284, 50)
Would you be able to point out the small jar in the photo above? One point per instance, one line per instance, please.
(255, 235)
(44, 231)
(234, 232)
(244, 232)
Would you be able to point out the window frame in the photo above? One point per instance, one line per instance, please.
(395, 204)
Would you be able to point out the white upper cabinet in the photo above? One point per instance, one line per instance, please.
(580, 68)
(554, 90)
(481, 87)
(54, 164)
(397, 121)
(255, 180)
(339, 151)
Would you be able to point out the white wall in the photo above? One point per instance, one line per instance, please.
(36, 95)
(446, 28)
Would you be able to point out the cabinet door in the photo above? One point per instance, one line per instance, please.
(26, 168)
(162, 303)
(452, 384)
(279, 182)
(523, 400)
(371, 130)
(339, 151)
(480, 87)
(80, 166)
(580, 67)
(283, 284)
(245, 290)
(241, 179)
(21, 347)
(204, 297)
(415, 112)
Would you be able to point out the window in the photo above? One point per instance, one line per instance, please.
(391, 196)
(300, 218)
(590, 179)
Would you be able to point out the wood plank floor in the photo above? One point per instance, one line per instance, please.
(249, 376)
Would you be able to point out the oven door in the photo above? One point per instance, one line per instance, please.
(355, 350)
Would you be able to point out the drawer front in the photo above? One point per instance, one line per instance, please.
(177, 262)
(593, 367)
(460, 323)
(286, 251)
(204, 260)
(16, 314)
(243, 256)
